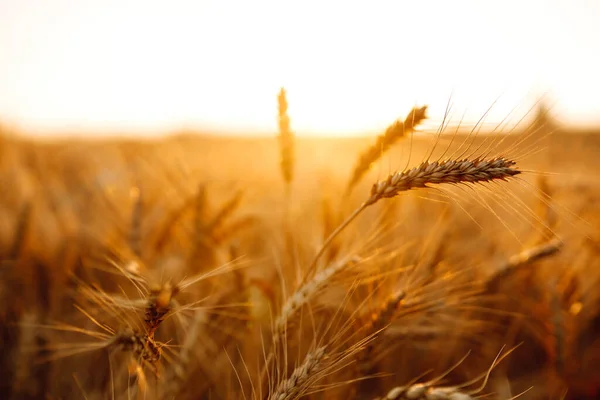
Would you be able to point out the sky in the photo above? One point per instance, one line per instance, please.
(147, 66)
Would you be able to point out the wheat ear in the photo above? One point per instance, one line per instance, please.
(384, 141)
(306, 292)
(526, 257)
(466, 171)
(447, 171)
(303, 295)
(286, 138)
(430, 390)
(296, 384)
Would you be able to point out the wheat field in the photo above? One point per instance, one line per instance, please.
(409, 266)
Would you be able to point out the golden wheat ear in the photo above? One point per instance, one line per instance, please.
(392, 134)
(454, 172)
(448, 171)
(286, 138)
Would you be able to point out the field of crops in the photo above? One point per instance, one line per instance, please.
(198, 267)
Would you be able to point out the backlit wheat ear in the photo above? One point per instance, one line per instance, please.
(430, 390)
(391, 135)
(526, 257)
(299, 381)
(302, 296)
(466, 171)
(286, 139)
(448, 171)
(306, 292)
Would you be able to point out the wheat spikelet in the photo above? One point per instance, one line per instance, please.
(306, 292)
(448, 171)
(391, 135)
(296, 384)
(142, 346)
(286, 139)
(302, 296)
(159, 302)
(526, 257)
(432, 391)
(422, 392)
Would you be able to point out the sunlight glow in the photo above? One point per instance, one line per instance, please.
(348, 67)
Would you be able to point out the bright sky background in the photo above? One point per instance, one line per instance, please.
(348, 66)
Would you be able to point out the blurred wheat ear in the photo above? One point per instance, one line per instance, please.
(286, 139)
(392, 134)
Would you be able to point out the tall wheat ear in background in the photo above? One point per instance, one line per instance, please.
(139, 270)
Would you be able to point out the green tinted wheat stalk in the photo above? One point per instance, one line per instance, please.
(392, 134)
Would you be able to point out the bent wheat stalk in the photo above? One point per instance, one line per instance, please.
(467, 171)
